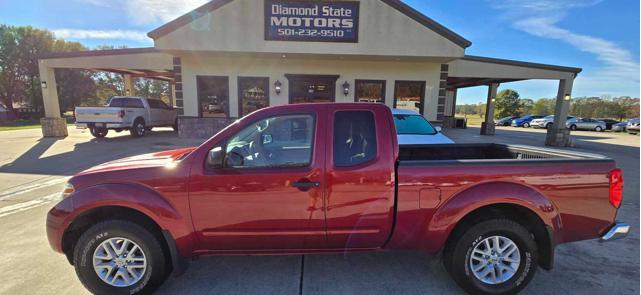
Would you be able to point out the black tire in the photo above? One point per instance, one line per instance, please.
(598, 129)
(457, 256)
(526, 125)
(153, 276)
(138, 129)
(573, 127)
(99, 132)
(548, 126)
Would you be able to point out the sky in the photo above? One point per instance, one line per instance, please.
(600, 36)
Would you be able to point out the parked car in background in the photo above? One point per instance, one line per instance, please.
(619, 127)
(633, 126)
(545, 122)
(504, 121)
(609, 123)
(331, 178)
(586, 124)
(135, 114)
(412, 128)
(525, 121)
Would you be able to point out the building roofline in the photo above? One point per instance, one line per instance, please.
(396, 4)
(90, 53)
(522, 64)
(187, 18)
(428, 22)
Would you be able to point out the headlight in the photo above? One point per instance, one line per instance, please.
(68, 190)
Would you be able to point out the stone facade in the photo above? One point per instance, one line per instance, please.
(54, 127)
(190, 127)
(561, 138)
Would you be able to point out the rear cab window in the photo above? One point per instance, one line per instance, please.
(354, 138)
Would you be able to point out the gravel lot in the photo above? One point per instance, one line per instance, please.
(33, 169)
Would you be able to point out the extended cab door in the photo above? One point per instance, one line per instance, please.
(268, 192)
(360, 176)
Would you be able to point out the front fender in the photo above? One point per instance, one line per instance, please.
(454, 209)
(139, 198)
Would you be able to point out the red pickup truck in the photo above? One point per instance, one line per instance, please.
(331, 178)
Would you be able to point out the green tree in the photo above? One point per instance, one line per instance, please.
(508, 103)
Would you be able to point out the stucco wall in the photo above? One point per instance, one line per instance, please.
(239, 27)
(276, 68)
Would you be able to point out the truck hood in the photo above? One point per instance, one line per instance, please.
(157, 159)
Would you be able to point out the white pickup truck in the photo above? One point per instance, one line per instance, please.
(135, 114)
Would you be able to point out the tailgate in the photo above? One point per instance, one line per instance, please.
(98, 115)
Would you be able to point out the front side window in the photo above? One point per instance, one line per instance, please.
(414, 125)
(354, 138)
(282, 141)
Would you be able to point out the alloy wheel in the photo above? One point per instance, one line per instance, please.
(119, 262)
(495, 260)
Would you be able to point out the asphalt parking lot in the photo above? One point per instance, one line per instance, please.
(33, 170)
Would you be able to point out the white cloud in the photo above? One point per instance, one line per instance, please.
(152, 11)
(541, 18)
(101, 35)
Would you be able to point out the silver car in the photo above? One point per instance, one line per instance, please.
(546, 122)
(412, 128)
(586, 124)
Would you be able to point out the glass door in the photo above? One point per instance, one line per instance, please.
(410, 95)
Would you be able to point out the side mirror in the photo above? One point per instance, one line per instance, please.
(267, 139)
(438, 129)
(215, 158)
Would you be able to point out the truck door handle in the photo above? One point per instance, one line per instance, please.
(306, 184)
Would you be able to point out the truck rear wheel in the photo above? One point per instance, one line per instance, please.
(138, 129)
(119, 257)
(497, 256)
(99, 132)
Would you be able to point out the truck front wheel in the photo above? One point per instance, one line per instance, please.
(497, 256)
(119, 257)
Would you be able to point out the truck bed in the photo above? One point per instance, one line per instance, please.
(486, 152)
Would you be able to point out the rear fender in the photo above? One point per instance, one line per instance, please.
(461, 204)
(139, 198)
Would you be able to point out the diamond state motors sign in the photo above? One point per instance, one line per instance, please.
(316, 21)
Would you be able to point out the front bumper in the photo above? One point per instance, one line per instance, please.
(617, 231)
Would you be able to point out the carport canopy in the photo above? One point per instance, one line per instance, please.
(131, 63)
(471, 71)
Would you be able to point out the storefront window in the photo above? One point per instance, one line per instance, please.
(370, 91)
(253, 94)
(213, 96)
(311, 89)
(409, 95)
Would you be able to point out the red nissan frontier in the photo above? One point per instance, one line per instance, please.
(331, 178)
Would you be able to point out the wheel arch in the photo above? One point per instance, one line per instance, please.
(513, 201)
(136, 204)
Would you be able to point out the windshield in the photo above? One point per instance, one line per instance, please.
(413, 124)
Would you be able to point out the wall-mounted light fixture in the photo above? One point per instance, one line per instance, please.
(277, 86)
(567, 97)
(43, 84)
(346, 88)
(493, 100)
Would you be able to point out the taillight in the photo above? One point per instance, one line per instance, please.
(616, 187)
(121, 114)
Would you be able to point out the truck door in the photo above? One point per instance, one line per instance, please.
(269, 192)
(360, 177)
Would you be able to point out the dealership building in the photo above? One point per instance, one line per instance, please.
(228, 58)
